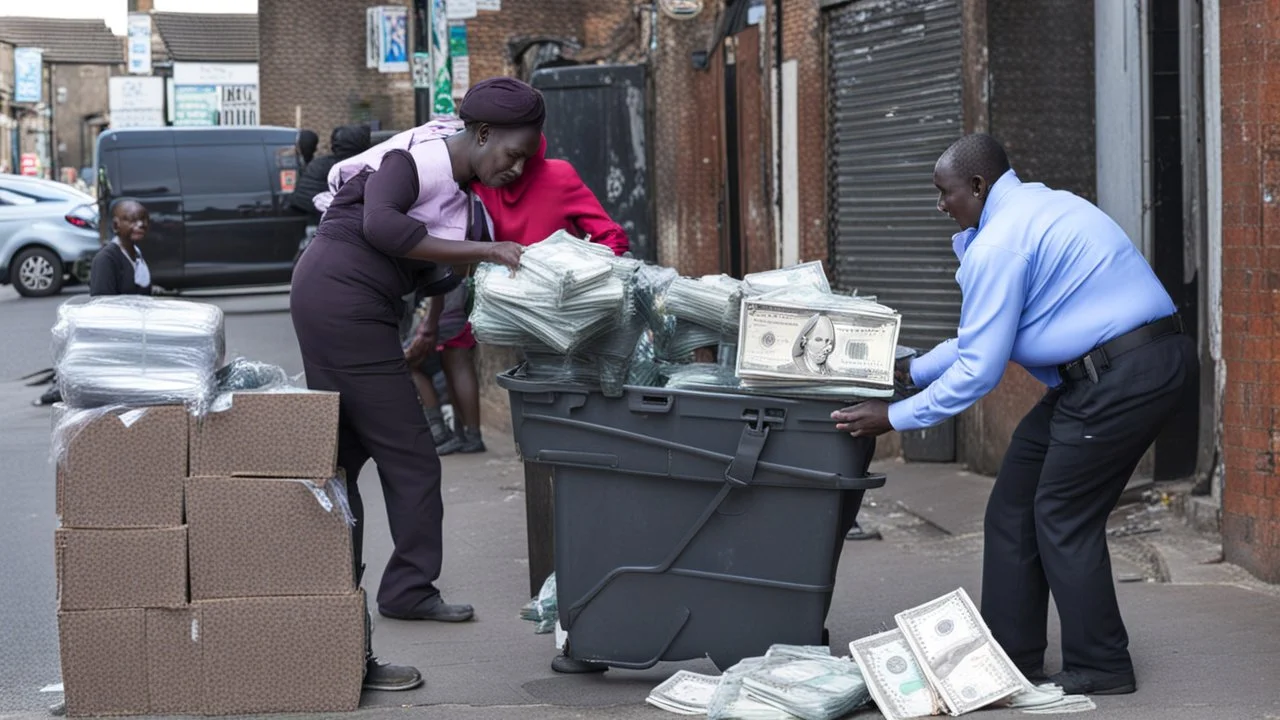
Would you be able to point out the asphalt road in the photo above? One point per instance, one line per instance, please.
(1206, 648)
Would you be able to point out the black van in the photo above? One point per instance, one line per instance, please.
(218, 198)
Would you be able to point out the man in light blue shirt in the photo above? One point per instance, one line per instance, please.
(1051, 283)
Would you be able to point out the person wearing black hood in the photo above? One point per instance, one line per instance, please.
(308, 141)
(346, 141)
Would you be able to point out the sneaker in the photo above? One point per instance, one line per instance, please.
(450, 446)
(471, 441)
(1093, 682)
(390, 678)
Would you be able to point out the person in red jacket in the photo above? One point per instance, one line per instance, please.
(547, 198)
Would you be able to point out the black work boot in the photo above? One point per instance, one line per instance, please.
(440, 432)
(389, 678)
(471, 441)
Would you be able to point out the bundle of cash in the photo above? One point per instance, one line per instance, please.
(711, 302)
(1049, 700)
(685, 693)
(808, 274)
(807, 684)
(731, 703)
(893, 676)
(957, 655)
(802, 336)
(543, 610)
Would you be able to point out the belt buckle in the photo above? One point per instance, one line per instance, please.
(1090, 369)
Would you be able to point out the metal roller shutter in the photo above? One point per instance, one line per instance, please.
(895, 104)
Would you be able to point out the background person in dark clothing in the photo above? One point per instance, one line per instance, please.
(308, 142)
(119, 268)
(346, 141)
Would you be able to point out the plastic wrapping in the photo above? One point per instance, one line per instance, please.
(731, 703)
(136, 350)
(644, 371)
(650, 286)
(241, 375)
(807, 682)
(687, 338)
(808, 274)
(332, 496)
(542, 610)
(713, 302)
(69, 421)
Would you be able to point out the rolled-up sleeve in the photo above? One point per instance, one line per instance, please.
(388, 195)
(993, 281)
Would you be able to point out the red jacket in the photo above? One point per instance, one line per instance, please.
(549, 197)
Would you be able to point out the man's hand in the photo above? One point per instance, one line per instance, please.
(866, 419)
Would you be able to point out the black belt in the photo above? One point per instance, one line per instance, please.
(1099, 359)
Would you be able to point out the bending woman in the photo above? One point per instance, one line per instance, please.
(387, 232)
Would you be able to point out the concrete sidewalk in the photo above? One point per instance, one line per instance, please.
(1205, 642)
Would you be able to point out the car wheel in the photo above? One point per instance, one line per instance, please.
(37, 272)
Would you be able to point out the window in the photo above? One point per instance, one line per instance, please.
(223, 169)
(146, 172)
(8, 197)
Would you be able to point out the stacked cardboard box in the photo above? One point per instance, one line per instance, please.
(204, 564)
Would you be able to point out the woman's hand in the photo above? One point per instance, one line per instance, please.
(506, 253)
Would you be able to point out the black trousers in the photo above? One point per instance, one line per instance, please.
(1064, 472)
(380, 418)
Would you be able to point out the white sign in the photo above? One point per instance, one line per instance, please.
(393, 55)
(461, 9)
(28, 71)
(139, 43)
(489, 5)
(136, 101)
(373, 36)
(461, 75)
(238, 105)
(215, 73)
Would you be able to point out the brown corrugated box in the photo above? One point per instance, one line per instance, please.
(122, 468)
(286, 654)
(222, 657)
(285, 434)
(107, 569)
(256, 537)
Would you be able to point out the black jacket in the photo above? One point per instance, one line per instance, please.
(112, 274)
(347, 141)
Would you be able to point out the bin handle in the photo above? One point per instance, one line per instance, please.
(742, 470)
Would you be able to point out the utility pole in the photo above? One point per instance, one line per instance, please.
(422, 44)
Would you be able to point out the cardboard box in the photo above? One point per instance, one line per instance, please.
(287, 434)
(260, 537)
(221, 657)
(108, 569)
(286, 654)
(131, 662)
(122, 468)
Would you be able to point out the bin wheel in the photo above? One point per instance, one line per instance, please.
(568, 666)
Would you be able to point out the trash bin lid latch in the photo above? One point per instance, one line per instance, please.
(742, 470)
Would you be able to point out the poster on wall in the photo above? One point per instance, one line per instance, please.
(421, 71)
(28, 75)
(489, 5)
(373, 37)
(461, 9)
(139, 43)
(238, 105)
(441, 67)
(394, 36)
(136, 101)
(459, 59)
(195, 105)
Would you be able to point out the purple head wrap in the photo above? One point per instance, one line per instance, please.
(503, 102)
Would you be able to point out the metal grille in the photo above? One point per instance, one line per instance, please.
(894, 69)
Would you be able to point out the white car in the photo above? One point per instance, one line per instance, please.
(45, 227)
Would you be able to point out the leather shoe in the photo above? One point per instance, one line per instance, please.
(1093, 682)
(434, 608)
(390, 678)
(1036, 675)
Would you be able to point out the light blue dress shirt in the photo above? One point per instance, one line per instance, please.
(1046, 277)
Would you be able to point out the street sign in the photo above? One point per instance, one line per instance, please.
(139, 43)
(28, 71)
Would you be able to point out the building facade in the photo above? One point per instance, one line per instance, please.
(791, 130)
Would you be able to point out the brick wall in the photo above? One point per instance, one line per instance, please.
(1040, 105)
(1251, 283)
(313, 55)
(804, 40)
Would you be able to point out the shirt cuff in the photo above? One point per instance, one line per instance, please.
(902, 416)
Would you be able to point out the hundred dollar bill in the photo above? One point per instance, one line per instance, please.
(831, 339)
(685, 693)
(957, 654)
(893, 677)
(810, 274)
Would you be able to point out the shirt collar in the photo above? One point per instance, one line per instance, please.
(1008, 181)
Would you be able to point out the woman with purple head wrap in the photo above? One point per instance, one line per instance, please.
(400, 219)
